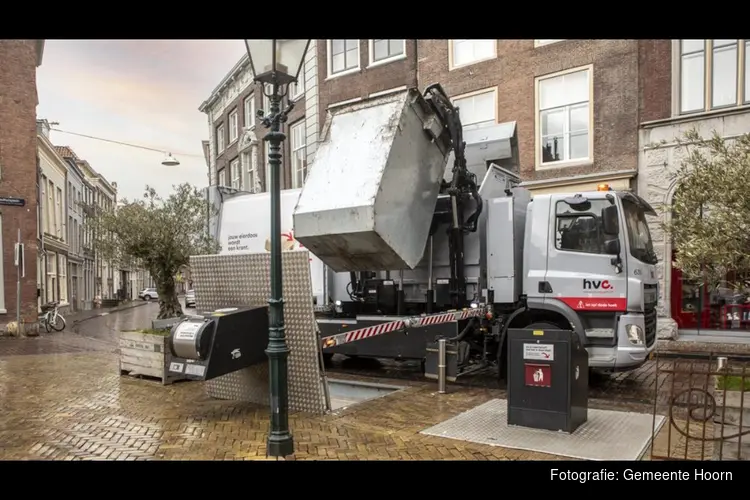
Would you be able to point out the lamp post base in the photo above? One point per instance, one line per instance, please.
(280, 445)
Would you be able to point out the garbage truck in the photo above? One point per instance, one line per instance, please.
(410, 242)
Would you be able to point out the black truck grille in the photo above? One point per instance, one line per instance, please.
(649, 313)
(650, 319)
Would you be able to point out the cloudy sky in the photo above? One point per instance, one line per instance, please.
(144, 92)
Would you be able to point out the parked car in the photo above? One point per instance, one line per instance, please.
(190, 298)
(148, 294)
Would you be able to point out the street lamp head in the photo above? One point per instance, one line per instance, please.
(170, 161)
(276, 61)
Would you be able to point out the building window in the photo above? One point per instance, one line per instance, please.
(251, 164)
(464, 52)
(60, 222)
(564, 117)
(578, 227)
(2, 271)
(540, 43)
(51, 276)
(297, 89)
(299, 156)
(343, 55)
(386, 50)
(235, 173)
(222, 177)
(234, 126)
(63, 278)
(250, 111)
(51, 225)
(714, 74)
(220, 139)
(478, 109)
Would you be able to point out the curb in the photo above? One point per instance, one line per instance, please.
(702, 355)
(106, 313)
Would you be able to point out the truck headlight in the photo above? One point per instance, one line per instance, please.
(635, 334)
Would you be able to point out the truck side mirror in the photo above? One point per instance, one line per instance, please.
(612, 247)
(610, 222)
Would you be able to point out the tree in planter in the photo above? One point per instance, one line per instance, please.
(160, 234)
(710, 213)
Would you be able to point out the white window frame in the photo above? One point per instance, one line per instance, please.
(451, 54)
(62, 276)
(51, 291)
(542, 43)
(250, 159)
(297, 148)
(60, 229)
(469, 95)
(329, 60)
(234, 126)
(235, 174)
(297, 90)
(220, 139)
(222, 177)
(249, 109)
(397, 57)
(538, 123)
(743, 75)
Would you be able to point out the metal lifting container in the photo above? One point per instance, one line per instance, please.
(370, 194)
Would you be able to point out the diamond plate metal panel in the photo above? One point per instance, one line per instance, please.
(607, 435)
(244, 279)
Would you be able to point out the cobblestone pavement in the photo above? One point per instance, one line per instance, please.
(77, 407)
(63, 398)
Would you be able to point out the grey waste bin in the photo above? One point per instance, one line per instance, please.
(547, 379)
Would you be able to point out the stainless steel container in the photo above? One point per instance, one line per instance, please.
(370, 194)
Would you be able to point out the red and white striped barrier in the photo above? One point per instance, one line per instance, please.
(400, 325)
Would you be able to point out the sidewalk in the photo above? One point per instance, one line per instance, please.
(81, 316)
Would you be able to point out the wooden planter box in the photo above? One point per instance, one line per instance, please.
(146, 354)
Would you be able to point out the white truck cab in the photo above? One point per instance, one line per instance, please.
(589, 257)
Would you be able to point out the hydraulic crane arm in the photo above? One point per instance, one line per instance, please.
(461, 188)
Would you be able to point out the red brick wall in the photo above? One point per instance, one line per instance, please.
(655, 57)
(367, 80)
(18, 170)
(615, 100)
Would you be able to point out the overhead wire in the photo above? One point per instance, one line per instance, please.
(121, 143)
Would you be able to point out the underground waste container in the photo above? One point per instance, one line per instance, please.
(547, 379)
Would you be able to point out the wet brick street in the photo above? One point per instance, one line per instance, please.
(62, 398)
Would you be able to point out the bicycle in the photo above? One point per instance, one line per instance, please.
(52, 319)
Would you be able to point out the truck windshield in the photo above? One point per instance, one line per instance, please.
(639, 236)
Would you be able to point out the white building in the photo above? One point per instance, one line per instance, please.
(52, 264)
(710, 91)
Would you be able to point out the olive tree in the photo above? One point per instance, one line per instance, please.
(710, 213)
(159, 234)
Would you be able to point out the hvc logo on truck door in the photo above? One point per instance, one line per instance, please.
(598, 285)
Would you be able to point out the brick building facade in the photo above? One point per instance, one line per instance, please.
(237, 154)
(574, 102)
(19, 174)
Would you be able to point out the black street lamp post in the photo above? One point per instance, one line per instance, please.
(272, 63)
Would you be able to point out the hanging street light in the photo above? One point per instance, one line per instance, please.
(277, 63)
(170, 161)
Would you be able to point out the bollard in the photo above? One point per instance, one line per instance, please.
(441, 365)
(722, 363)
